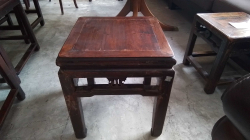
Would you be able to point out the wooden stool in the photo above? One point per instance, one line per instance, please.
(7, 71)
(225, 40)
(116, 48)
(5, 7)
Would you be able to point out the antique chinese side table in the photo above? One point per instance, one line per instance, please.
(116, 48)
(226, 42)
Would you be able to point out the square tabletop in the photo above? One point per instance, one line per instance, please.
(220, 22)
(115, 39)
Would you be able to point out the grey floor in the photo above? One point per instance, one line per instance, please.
(43, 114)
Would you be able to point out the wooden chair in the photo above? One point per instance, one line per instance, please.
(6, 6)
(235, 124)
(27, 4)
(7, 71)
(37, 10)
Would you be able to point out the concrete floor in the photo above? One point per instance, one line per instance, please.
(43, 114)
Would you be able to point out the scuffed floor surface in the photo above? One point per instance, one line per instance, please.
(43, 114)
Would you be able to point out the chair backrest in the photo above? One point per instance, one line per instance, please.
(236, 104)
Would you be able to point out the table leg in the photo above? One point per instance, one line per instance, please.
(20, 12)
(141, 6)
(147, 81)
(9, 20)
(218, 66)
(161, 104)
(90, 81)
(191, 43)
(22, 28)
(74, 105)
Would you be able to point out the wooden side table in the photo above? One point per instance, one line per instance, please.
(116, 48)
(225, 40)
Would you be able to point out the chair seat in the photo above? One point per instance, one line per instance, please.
(6, 6)
(225, 130)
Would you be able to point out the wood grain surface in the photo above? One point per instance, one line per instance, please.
(100, 37)
(220, 21)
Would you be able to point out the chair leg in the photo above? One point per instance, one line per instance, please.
(61, 6)
(20, 95)
(9, 74)
(39, 12)
(9, 20)
(75, 3)
(20, 12)
(27, 4)
(24, 33)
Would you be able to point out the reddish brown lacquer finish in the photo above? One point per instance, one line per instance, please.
(116, 48)
(116, 37)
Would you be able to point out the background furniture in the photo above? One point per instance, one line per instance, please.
(236, 105)
(7, 71)
(116, 48)
(141, 6)
(61, 5)
(5, 7)
(37, 10)
(225, 40)
(198, 6)
(27, 4)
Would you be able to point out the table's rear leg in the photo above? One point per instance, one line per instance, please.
(191, 43)
(91, 81)
(74, 105)
(147, 81)
(161, 105)
(22, 28)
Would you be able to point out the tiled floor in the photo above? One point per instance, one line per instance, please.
(43, 114)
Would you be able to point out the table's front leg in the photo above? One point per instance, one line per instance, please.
(147, 81)
(74, 104)
(161, 104)
(218, 66)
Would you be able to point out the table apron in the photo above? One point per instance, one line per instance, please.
(117, 73)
